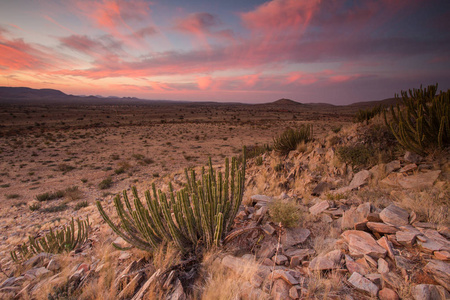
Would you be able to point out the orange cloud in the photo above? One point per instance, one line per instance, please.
(204, 82)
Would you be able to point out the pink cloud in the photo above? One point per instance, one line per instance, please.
(204, 82)
(281, 14)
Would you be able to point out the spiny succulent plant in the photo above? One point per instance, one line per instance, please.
(198, 215)
(64, 239)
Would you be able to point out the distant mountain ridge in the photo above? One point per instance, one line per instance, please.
(30, 96)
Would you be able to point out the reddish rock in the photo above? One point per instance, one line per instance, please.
(360, 243)
(387, 294)
(381, 228)
(363, 284)
(395, 216)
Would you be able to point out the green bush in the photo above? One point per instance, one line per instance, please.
(368, 114)
(196, 217)
(50, 196)
(291, 138)
(422, 123)
(359, 155)
(80, 205)
(286, 212)
(105, 183)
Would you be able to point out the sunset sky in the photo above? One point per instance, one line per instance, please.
(252, 51)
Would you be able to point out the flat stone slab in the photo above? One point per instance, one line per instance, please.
(319, 207)
(429, 292)
(440, 271)
(322, 263)
(363, 284)
(406, 238)
(381, 228)
(360, 243)
(360, 179)
(294, 236)
(280, 274)
(395, 216)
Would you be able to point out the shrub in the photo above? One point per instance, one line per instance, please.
(290, 138)
(73, 193)
(286, 212)
(105, 183)
(423, 121)
(12, 196)
(56, 208)
(65, 239)
(65, 168)
(50, 196)
(359, 155)
(259, 161)
(368, 114)
(196, 217)
(35, 206)
(80, 205)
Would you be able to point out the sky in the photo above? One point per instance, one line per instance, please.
(251, 51)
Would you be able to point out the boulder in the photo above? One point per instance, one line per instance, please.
(360, 179)
(381, 228)
(429, 292)
(360, 243)
(280, 290)
(383, 266)
(387, 294)
(363, 284)
(412, 157)
(319, 207)
(394, 215)
(392, 166)
(440, 271)
(406, 238)
(294, 236)
(419, 181)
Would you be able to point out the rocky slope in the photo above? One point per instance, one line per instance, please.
(378, 231)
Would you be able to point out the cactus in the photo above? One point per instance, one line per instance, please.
(65, 239)
(198, 215)
(290, 139)
(368, 114)
(422, 124)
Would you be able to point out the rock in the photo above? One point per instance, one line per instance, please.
(353, 266)
(294, 236)
(131, 287)
(280, 290)
(260, 198)
(406, 238)
(383, 266)
(293, 293)
(392, 166)
(430, 245)
(387, 294)
(11, 281)
(359, 179)
(440, 271)
(280, 274)
(374, 217)
(319, 207)
(38, 260)
(335, 256)
(121, 243)
(363, 284)
(403, 263)
(260, 212)
(302, 253)
(408, 168)
(37, 273)
(392, 280)
(248, 292)
(360, 243)
(395, 216)
(268, 229)
(355, 215)
(53, 265)
(381, 228)
(320, 188)
(140, 294)
(280, 259)
(442, 255)
(387, 245)
(375, 278)
(321, 263)
(124, 255)
(295, 261)
(429, 292)
(419, 181)
(412, 157)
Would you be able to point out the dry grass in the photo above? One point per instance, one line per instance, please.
(222, 283)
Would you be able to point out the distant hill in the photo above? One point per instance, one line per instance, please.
(363, 105)
(285, 102)
(25, 95)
